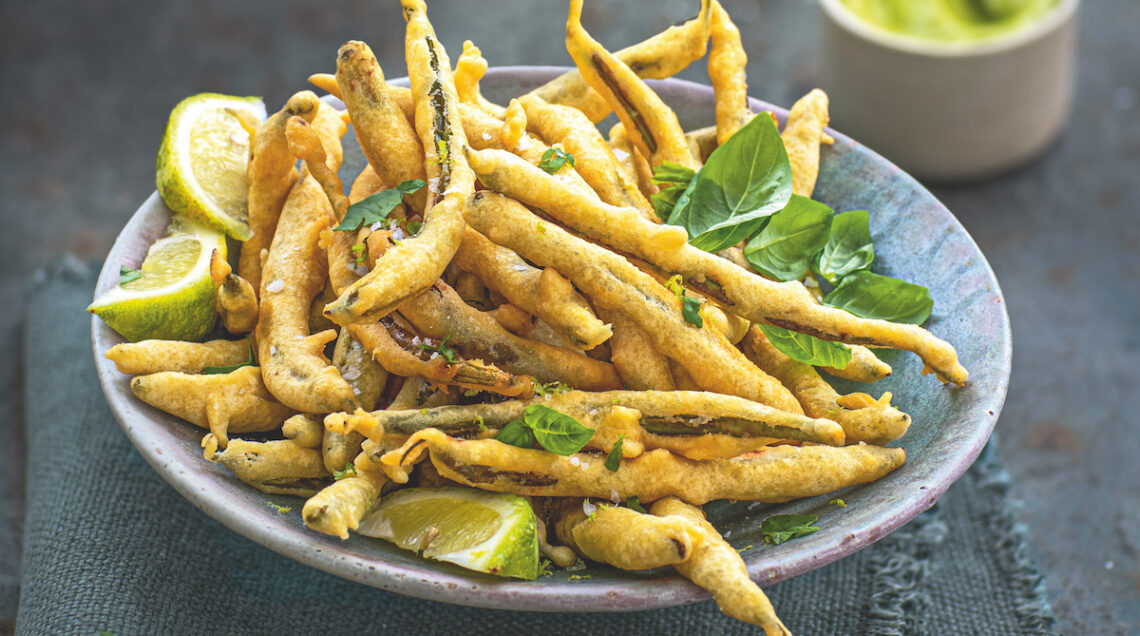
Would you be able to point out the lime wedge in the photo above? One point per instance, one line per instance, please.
(201, 163)
(173, 298)
(482, 531)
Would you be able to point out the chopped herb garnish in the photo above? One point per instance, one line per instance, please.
(281, 510)
(554, 431)
(579, 577)
(127, 275)
(747, 547)
(349, 471)
(551, 388)
(634, 503)
(541, 227)
(470, 393)
(413, 227)
(554, 158)
(780, 528)
(838, 503)
(613, 459)
(377, 207)
(690, 307)
(480, 424)
(544, 568)
(234, 367)
(358, 251)
(447, 352)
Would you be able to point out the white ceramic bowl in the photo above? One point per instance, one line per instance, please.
(950, 111)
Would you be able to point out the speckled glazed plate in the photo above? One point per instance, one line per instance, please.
(916, 239)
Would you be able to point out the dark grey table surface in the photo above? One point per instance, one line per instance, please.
(86, 88)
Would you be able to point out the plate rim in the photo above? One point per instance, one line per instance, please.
(439, 582)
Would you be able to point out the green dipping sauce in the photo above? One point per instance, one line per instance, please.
(951, 20)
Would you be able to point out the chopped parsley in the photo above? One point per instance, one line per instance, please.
(690, 307)
(349, 471)
(447, 352)
(281, 510)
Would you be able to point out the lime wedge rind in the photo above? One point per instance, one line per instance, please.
(509, 550)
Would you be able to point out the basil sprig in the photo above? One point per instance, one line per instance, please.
(780, 528)
(745, 180)
(554, 158)
(377, 207)
(869, 295)
(783, 250)
(808, 349)
(848, 247)
(613, 459)
(555, 431)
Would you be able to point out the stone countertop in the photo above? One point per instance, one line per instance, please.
(87, 88)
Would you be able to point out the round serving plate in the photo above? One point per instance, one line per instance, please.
(916, 239)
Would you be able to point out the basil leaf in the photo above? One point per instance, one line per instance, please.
(553, 160)
(784, 249)
(377, 207)
(870, 295)
(848, 247)
(127, 275)
(613, 459)
(808, 349)
(677, 179)
(223, 370)
(745, 180)
(780, 528)
(447, 352)
(556, 432)
(691, 311)
(634, 503)
(516, 433)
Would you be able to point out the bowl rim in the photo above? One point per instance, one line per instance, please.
(848, 20)
(438, 582)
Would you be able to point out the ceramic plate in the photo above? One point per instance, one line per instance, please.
(916, 239)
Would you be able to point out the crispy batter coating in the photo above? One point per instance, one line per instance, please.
(235, 298)
(543, 293)
(640, 366)
(271, 175)
(718, 568)
(864, 366)
(867, 420)
(414, 264)
(152, 356)
(277, 467)
(612, 282)
(341, 505)
(440, 313)
(736, 290)
(594, 159)
(802, 136)
(235, 402)
(386, 136)
(469, 69)
(624, 538)
(663, 55)
(666, 413)
(304, 430)
(658, 133)
(773, 475)
(727, 63)
(293, 361)
(514, 124)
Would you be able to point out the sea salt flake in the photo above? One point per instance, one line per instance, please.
(588, 507)
(275, 286)
(574, 461)
(351, 373)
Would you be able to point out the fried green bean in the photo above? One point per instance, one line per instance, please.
(864, 366)
(802, 136)
(718, 568)
(612, 282)
(234, 297)
(469, 69)
(653, 126)
(727, 63)
(542, 293)
(624, 538)
(663, 55)
(440, 313)
(153, 356)
(235, 402)
(661, 412)
(871, 421)
(594, 159)
(277, 467)
(641, 367)
(271, 175)
(773, 475)
(385, 135)
(413, 265)
(304, 430)
(788, 305)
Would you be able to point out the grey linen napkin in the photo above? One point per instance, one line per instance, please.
(110, 546)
